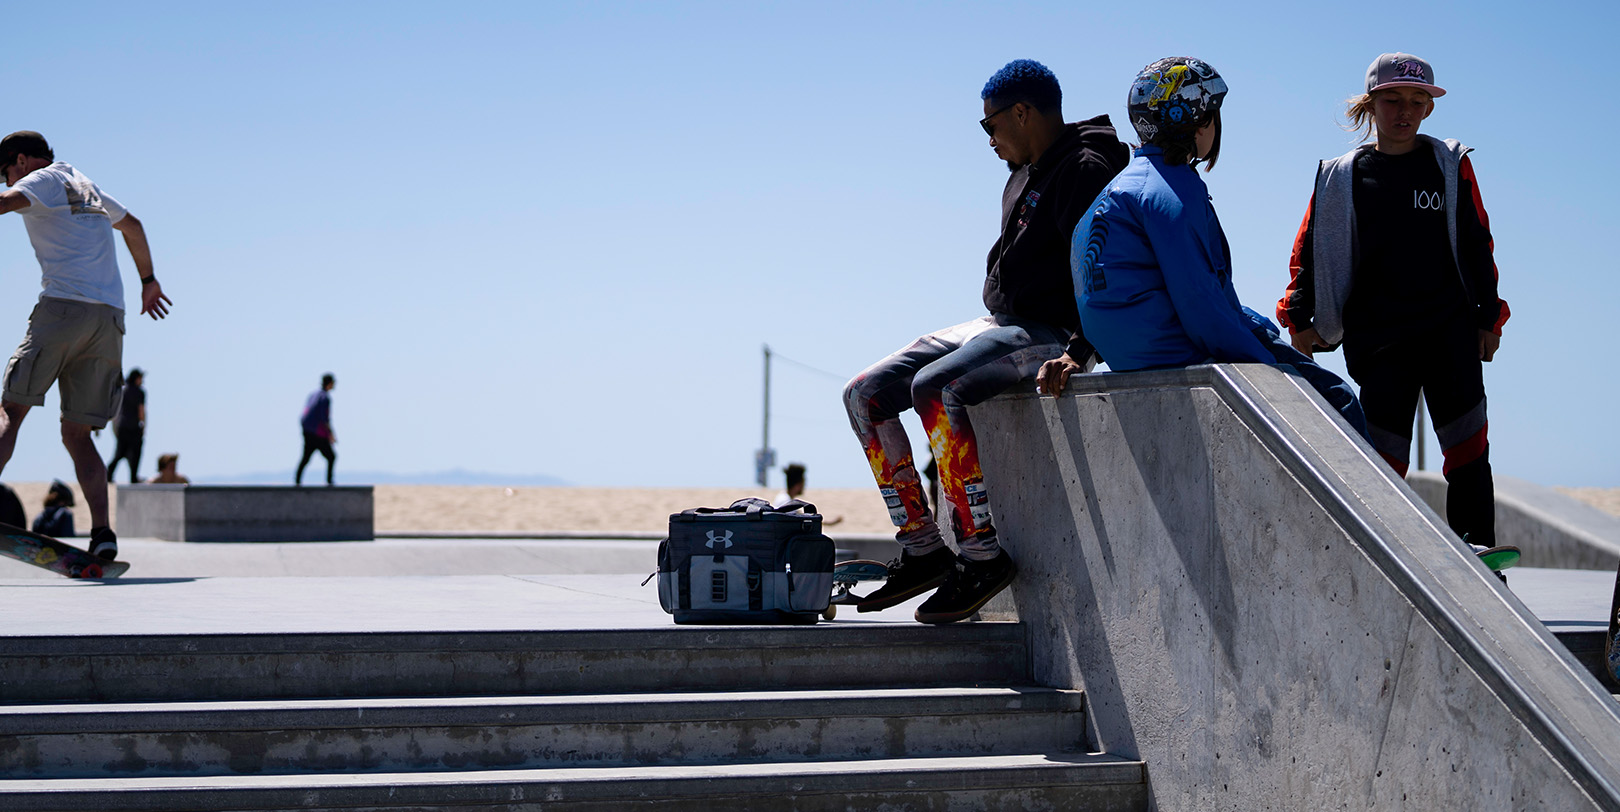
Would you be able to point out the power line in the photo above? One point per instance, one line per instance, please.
(780, 357)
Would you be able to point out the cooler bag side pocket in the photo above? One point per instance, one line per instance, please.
(667, 586)
(810, 572)
(719, 582)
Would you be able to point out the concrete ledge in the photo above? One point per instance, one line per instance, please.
(1553, 530)
(246, 512)
(1262, 612)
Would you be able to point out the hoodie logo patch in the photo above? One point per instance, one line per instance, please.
(1028, 208)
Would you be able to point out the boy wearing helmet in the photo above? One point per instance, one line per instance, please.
(1057, 170)
(1151, 266)
(1393, 260)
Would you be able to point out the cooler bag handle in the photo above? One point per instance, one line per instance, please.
(753, 508)
(796, 504)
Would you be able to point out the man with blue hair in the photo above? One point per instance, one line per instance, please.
(1057, 170)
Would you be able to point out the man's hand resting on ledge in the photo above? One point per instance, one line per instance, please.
(1054, 374)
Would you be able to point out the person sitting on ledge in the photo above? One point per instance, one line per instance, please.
(1152, 269)
(1057, 169)
(56, 520)
(168, 471)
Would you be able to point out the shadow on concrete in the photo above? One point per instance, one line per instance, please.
(1170, 446)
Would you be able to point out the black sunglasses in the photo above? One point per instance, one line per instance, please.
(990, 129)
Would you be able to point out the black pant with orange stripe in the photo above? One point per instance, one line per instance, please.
(1443, 363)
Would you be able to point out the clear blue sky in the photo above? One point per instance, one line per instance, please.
(550, 238)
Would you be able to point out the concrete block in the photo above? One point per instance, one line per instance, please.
(246, 512)
(1258, 610)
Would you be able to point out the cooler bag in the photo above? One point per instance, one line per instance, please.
(749, 563)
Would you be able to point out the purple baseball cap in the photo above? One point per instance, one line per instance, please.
(1397, 69)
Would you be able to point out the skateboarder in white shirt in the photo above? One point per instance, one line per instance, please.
(76, 332)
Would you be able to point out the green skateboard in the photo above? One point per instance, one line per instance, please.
(59, 557)
(1499, 558)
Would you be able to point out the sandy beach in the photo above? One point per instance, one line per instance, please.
(421, 507)
(405, 508)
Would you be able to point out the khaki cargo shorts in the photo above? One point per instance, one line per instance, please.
(80, 344)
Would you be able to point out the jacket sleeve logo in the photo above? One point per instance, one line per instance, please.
(1090, 271)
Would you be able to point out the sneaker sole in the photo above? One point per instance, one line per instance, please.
(889, 601)
(940, 618)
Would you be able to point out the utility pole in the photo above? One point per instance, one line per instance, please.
(765, 457)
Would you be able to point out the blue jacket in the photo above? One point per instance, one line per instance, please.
(1153, 273)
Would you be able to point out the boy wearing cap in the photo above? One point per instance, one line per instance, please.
(1394, 261)
(76, 332)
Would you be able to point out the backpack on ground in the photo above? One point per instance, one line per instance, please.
(749, 563)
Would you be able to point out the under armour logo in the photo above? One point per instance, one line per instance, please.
(726, 539)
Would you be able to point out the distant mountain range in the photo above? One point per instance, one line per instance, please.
(454, 476)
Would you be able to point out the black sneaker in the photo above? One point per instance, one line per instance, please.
(910, 576)
(970, 585)
(104, 543)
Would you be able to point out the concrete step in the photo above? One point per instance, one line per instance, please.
(1589, 650)
(125, 668)
(999, 783)
(356, 735)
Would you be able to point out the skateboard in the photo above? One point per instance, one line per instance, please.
(1499, 558)
(57, 556)
(849, 573)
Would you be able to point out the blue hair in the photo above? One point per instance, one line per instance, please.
(1028, 81)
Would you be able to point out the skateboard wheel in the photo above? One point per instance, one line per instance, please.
(830, 612)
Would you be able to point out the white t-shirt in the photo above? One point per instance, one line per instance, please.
(70, 222)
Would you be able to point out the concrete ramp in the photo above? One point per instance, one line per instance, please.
(1263, 613)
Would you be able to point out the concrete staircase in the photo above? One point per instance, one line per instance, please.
(832, 717)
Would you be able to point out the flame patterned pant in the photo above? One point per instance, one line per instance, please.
(940, 375)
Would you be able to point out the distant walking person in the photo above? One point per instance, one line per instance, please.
(76, 332)
(130, 427)
(317, 425)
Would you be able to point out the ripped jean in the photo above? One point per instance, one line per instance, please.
(940, 375)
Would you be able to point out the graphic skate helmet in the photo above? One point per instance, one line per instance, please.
(1171, 96)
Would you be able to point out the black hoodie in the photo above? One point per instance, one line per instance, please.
(1028, 269)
